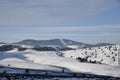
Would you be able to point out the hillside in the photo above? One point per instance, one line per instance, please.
(100, 55)
(69, 58)
(47, 45)
(49, 60)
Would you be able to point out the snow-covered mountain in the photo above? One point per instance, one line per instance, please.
(100, 59)
(48, 45)
(58, 43)
(52, 42)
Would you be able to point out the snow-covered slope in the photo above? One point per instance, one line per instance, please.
(21, 60)
(51, 43)
(58, 43)
(13, 50)
(105, 54)
(47, 45)
(51, 61)
(2, 43)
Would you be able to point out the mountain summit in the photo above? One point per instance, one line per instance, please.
(58, 43)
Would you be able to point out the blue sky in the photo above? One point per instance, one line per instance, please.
(90, 21)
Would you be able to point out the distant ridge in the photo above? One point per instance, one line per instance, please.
(59, 43)
(103, 44)
(2, 43)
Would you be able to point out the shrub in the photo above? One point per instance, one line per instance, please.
(115, 49)
(21, 49)
(109, 47)
(108, 56)
(112, 53)
(92, 61)
(115, 54)
(9, 65)
(113, 58)
(82, 59)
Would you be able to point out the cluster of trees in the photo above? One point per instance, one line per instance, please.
(38, 48)
(11, 47)
(44, 49)
(82, 59)
(86, 60)
(6, 48)
(21, 49)
(65, 49)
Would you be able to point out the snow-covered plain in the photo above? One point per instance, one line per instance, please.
(49, 60)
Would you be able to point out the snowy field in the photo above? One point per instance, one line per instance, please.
(49, 60)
